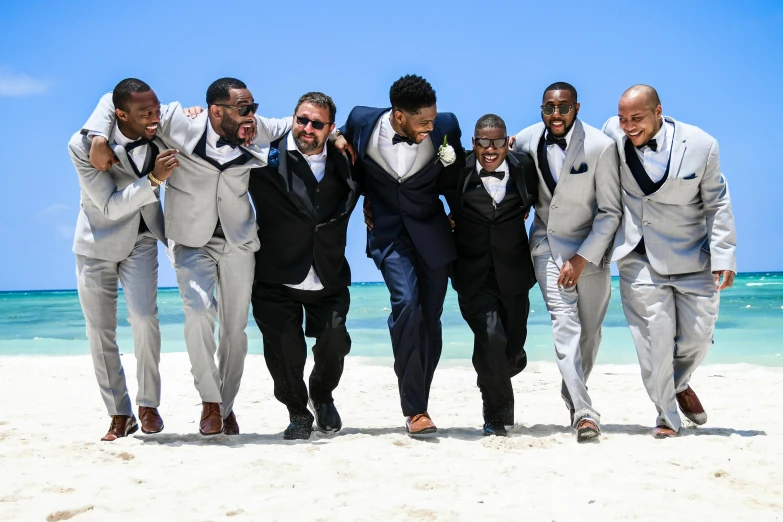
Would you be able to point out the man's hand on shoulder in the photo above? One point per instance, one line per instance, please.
(193, 112)
(341, 144)
(101, 155)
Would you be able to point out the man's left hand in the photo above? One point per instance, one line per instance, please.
(728, 279)
(194, 111)
(346, 148)
(572, 269)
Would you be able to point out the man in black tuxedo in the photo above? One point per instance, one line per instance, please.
(489, 200)
(401, 152)
(303, 203)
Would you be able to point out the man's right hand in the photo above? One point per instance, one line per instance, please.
(101, 155)
(165, 164)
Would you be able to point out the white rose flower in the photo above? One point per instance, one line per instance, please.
(446, 153)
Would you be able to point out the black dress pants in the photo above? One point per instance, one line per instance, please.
(279, 311)
(499, 325)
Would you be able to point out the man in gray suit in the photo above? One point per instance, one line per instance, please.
(119, 225)
(211, 222)
(577, 214)
(675, 243)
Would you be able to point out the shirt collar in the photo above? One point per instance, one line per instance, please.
(291, 145)
(660, 136)
(212, 136)
(502, 168)
(119, 138)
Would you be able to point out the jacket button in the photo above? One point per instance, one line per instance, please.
(220, 199)
(318, 190)
(317, 207)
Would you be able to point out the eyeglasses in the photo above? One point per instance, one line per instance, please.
(242, 110)
(549, 110)
(496, 142)
(317, 125)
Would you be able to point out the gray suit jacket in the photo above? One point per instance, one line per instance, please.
(112, 203)
(583, 214)
(688, 224)
(197, 192)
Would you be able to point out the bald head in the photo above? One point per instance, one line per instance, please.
(640, 114)
(642, 92)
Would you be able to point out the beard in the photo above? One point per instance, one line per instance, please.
(305, 146)
(230, 130)
(568, 128)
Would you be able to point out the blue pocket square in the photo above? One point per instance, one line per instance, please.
(690, 176)
(582, 169)
(273, 160)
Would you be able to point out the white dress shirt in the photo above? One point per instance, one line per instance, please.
(556, 156)
(495, 187)
(655, 162)
(138, 155)
(399, 157)
(317, 164)
(222, 154)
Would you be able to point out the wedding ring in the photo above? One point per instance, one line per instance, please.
(569, 282)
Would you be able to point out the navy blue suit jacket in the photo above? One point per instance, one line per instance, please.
(412, 207)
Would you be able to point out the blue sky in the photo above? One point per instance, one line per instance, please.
(717, 65)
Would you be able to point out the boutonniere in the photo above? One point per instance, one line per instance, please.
(446, 153)
(273, 160)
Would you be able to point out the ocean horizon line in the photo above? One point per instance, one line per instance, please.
(52, 290)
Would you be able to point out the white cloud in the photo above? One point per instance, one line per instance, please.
(54, 209)
(18, 84)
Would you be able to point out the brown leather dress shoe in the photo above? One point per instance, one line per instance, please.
(230, 426)
(691, 406)
(587, 430)
(211, 419)
(150, 420)
(121, 426)
(663, 432)
(420, 424)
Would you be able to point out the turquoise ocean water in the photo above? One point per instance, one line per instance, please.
(750, 327)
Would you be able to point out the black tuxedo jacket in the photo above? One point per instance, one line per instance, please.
(294, 234)
(483, 243)
(413, 205)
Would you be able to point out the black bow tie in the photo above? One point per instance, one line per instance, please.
(551, 139)
(223, 141)
(402, 139)
(138, 143)
(652, 144)
(487, 174)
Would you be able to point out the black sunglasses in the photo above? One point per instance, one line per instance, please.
(242, 110)
(549, 110)
(497, 142)
(317, 125)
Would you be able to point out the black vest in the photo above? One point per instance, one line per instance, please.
(327, 195)
(480, 204)
(149, 166)
(643, 179)
(543, 164)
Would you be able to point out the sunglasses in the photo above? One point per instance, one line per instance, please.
(242, 110)
(549, 110)
(496, 143)
(317, 125)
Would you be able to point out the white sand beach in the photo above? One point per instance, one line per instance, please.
(54, 467)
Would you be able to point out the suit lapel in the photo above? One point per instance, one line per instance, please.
(365, 133)
(678, 150)
(125, 160)
(297, 190)
(577, 142)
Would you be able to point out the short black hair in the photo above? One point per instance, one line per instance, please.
(218, 91)
(321, 100)
(411, 93)
(562, 86)
(124, 90)
(489, 121)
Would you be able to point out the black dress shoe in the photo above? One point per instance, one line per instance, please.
(300, 428)
(494, 428)
(327, 419)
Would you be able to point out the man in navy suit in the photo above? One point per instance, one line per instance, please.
(401, 153)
